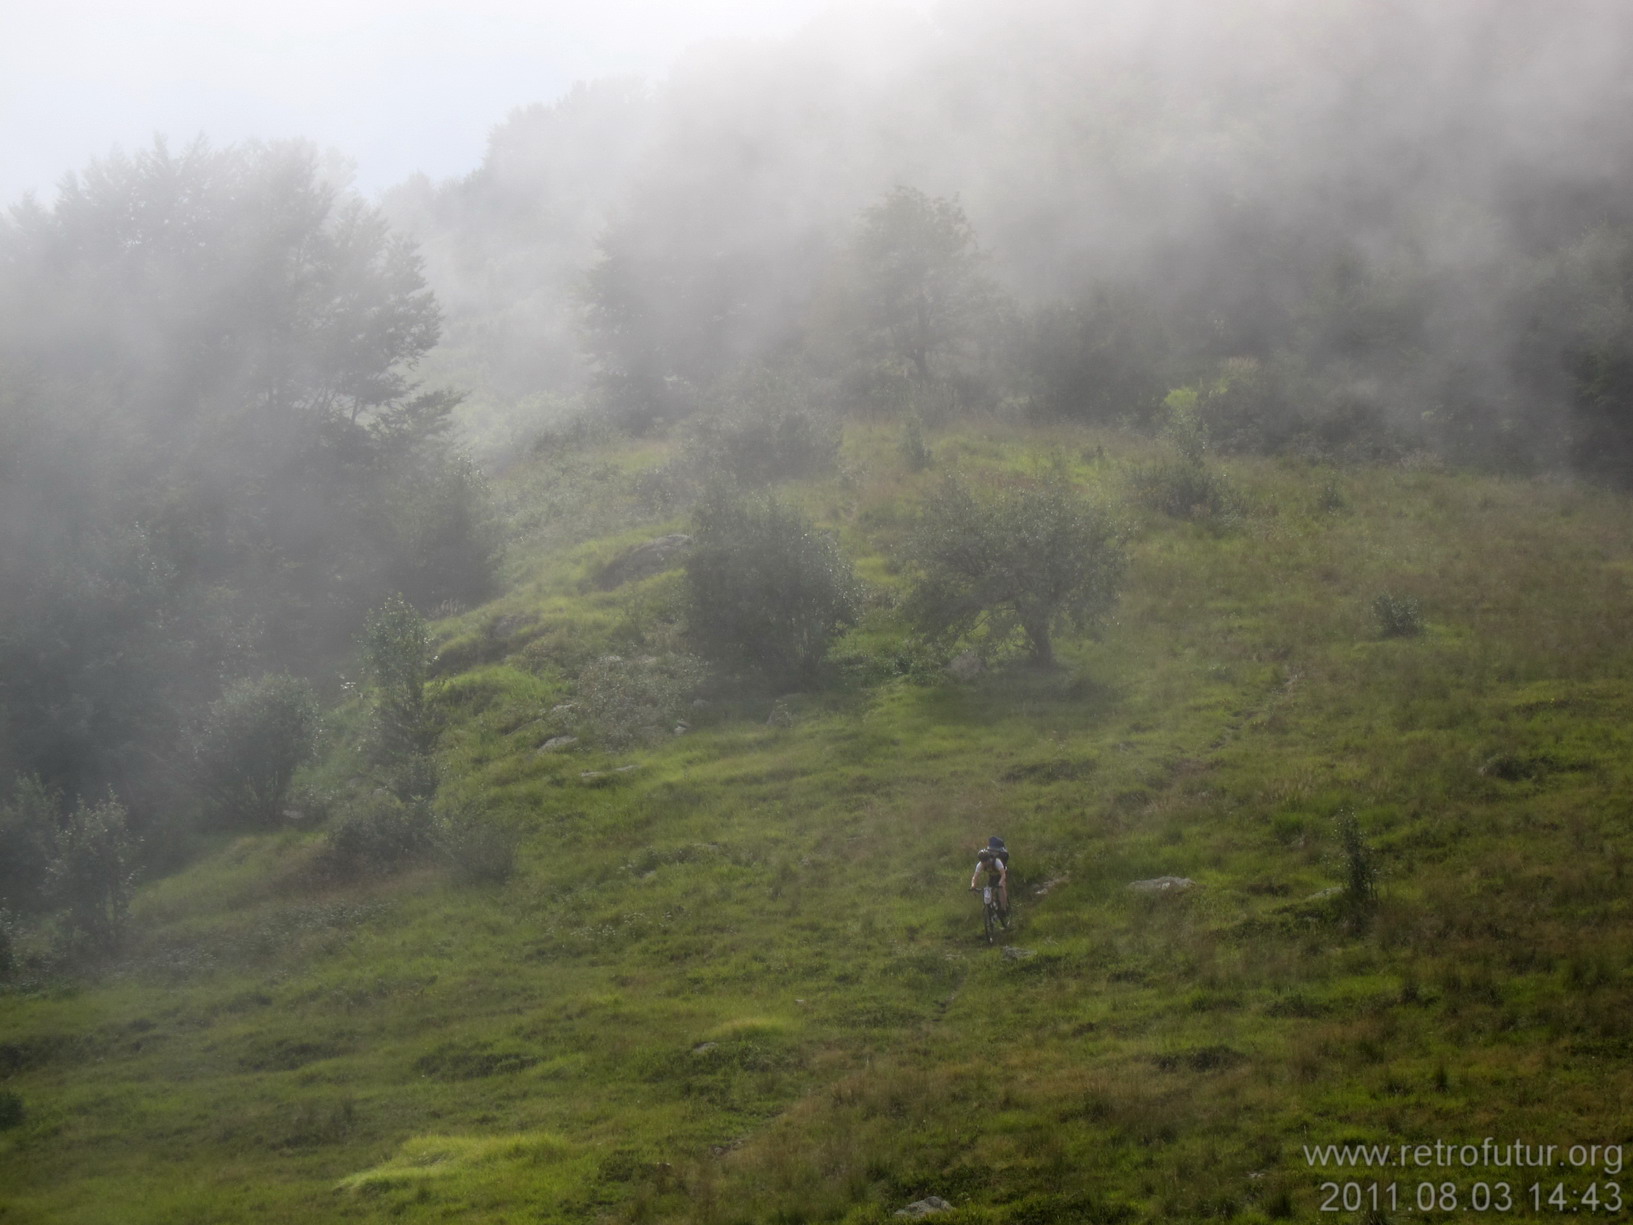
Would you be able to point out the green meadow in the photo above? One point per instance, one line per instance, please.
(736, 975)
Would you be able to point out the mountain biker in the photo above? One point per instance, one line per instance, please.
(994, 861)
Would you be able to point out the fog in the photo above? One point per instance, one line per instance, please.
(1256, 169)
(238, 397)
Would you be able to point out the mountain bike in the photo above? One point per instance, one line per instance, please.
(993, 916)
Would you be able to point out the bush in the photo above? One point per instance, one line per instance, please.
(1359, 867)
(396, 657)
(380, 835)
(1185, 489)
(764, 589)
(478, 851)
(1185, 486)
(757, 447)
(1397, 616)
(12, 1113)
(8, 940)
(91, 877)
(253, 739)
(1032, 559)
(621, 701)
(28, 826)
(912, 448)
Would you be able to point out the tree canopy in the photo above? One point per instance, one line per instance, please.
(1032, 558)
(215, 451)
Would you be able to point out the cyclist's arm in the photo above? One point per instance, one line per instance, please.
(976, 875)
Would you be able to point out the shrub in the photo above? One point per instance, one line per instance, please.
(621, 701)
(12, 1113)
(1029, 558)
(1397, 616)
(253, 739)
(478, 851)
(1185, 489)
(1185, 486)
(756, 446)
(1359, 867)
(396, 657)
(912, 448)
(90, 876)
(28, 827)
(8, 939)
(764, 589)
(380, 835)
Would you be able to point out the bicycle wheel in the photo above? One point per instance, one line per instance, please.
(989, 920)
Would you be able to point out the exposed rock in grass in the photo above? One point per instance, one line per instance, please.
(1013, 952)
(557, 743)
(1053, 882)
(927, 1206)
(643, 561)
(966, 667)
(1162, 884)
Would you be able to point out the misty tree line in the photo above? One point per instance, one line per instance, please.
(215, 457)
(1355, 227)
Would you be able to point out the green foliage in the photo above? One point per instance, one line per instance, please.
(1185, 485)
(379, 835)
(1101, 357)
(689, 958)
(91, 877)
(8, 942)
(28, 827)
(397, 658)
(914, 450)
(1360, 869)
(478, 850)
(253, 739)
(625, 701)
(1034, 558)
(220, 455)
(447, 539)
(764, 589)
(919, 295)
(1398, 616)
(12, 1112)
(760, 446)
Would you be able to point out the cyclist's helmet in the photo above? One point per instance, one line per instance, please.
(995, 843)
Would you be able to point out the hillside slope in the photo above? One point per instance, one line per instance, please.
(743, 981)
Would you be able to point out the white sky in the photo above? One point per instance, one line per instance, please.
(394, 85)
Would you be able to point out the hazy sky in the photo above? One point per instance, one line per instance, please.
(396, 85)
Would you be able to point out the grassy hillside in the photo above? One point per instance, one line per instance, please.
(743, 981)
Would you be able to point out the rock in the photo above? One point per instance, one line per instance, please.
(1053, 882)
(779, 717)
(704, 1048)
(698, 703)
(966, 667)
(682, 728)
(927, 1206)
(1162, 884)
(626, 769)
(1014, 952)
(564, 708)
(557, 743)
(643, 561)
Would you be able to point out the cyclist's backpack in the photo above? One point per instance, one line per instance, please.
(987, 855)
